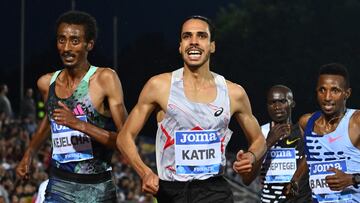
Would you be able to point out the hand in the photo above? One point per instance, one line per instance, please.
(291, 190)
(277, 132)
(23, 168)
(64, 116)
(150, 183)
(339, 181)
(244, 162)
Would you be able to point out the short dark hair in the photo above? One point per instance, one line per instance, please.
(335, 69)
(206, 20)
(80, 18)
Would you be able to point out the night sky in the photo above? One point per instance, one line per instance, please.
(136, 21)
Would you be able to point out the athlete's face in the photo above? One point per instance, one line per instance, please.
(279, 105)
(195, 45)
(332, 94)
(72, 45)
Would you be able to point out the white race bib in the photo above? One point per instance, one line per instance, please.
(318, 172)
(197, 152)
(281, 165)
(69, 144)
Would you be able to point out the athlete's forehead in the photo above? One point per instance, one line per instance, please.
(65, 29)
(331, 80)
(195, 25)
(278, 94)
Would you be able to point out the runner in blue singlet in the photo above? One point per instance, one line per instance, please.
(332, 137)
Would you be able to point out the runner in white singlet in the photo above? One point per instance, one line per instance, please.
(193, 108)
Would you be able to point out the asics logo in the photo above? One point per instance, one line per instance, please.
(219, 112)
(333, 139)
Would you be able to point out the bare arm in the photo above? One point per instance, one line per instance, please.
(40, 136)
(148, 101)
(111, 86)
(241, 109)
(276, 132)
(289, 191)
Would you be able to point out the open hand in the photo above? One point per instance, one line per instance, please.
(339, 181)
(276, 133)
(64, 116)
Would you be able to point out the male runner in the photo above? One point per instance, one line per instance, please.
(84, 106)
(193, 109)
(332, 137)
(285, 150)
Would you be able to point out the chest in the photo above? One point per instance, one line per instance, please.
(84, 93)
(200, 95)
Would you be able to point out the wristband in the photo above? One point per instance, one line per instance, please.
(356, 180)
(253, 155)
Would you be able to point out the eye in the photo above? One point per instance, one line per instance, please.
(75, 41)
(203, 35)
(186, 36)
(61, 40)
(283, 101)
(336, 90)
(321, 90)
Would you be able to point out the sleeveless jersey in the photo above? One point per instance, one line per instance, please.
(277, 169)
(72, 150)
(191, 139)
(336, 150)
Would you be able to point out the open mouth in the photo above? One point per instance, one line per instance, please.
(68, 56)
(194, 54)
(328, 106)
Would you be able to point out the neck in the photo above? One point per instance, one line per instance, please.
(197, 73)
(333, 118)
(78, 72)
(330, 122)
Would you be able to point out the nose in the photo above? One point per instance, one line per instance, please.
(276, 105)
(194, 40)
(67, 46)
(327, 96)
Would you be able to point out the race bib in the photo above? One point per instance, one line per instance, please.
(197, 152)
(69, 144)
(318, 172)
(280, 165)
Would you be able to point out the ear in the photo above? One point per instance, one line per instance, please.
(293, 104)
(180, 48)
(90, 45)
(347, 93)
(212, 47)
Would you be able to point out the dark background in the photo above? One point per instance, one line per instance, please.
(259, 43)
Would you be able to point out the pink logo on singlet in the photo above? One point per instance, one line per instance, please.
(333, 139)
(78, 110)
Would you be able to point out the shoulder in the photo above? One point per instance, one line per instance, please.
(106, 74)
(44, 81)
(159, 81)
(236, 91)
(355, 118)
(304, 119)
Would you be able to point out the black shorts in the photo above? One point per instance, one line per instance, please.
(215, 189)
